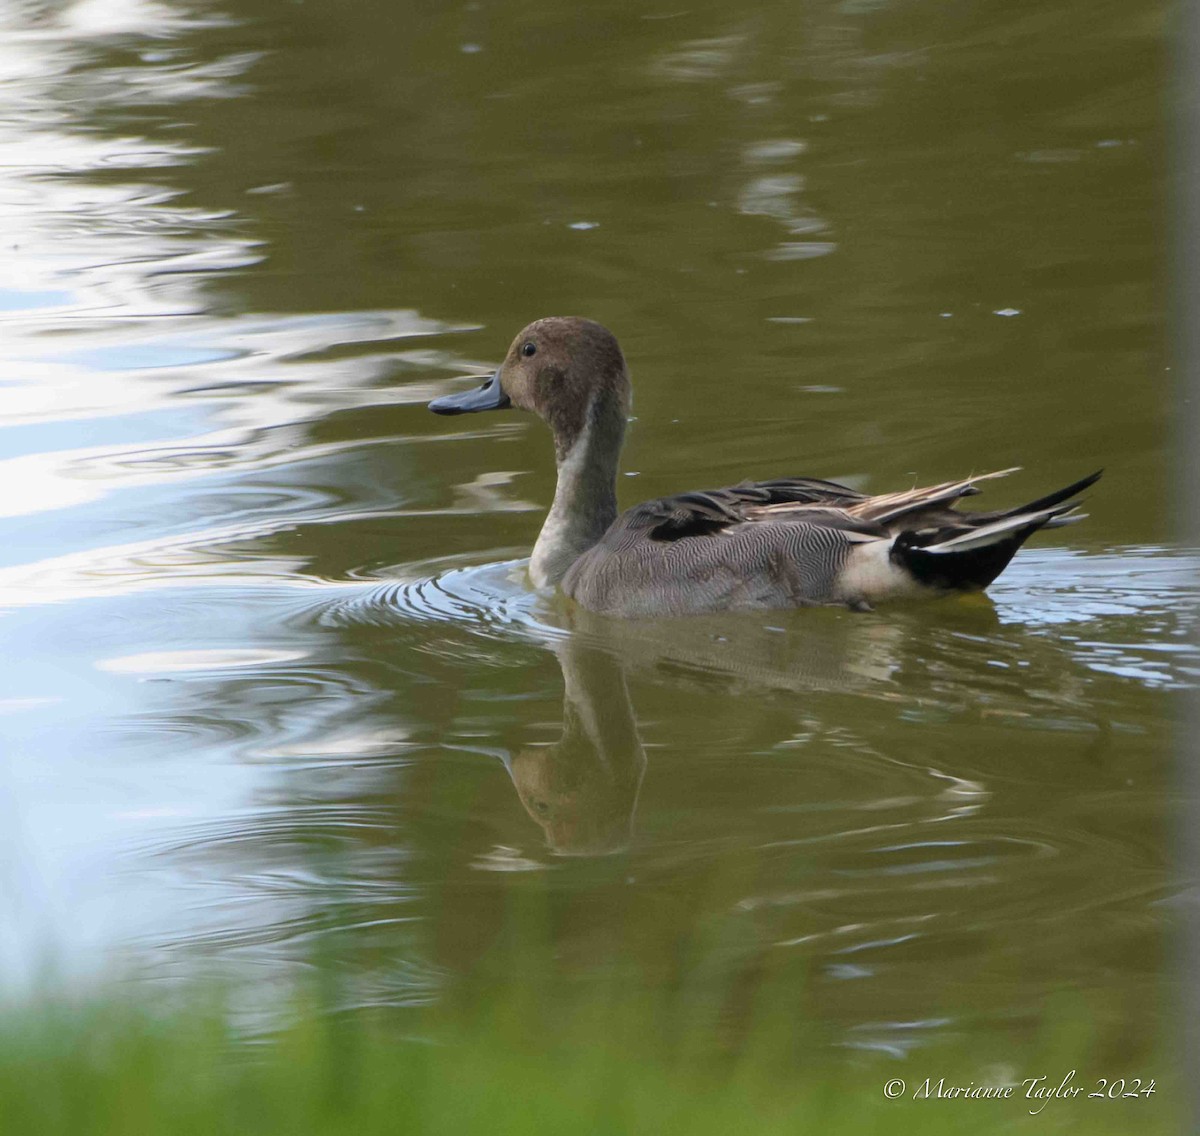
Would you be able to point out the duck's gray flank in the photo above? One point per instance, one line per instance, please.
(789, 542)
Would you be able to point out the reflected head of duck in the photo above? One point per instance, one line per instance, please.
(582, 790)
(567, 370)
(583, 807)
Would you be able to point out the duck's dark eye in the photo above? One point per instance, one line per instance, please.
(529, 349)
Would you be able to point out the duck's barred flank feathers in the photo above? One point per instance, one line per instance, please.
(745, 567)
(788, 542)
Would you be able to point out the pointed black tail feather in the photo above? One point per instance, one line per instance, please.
(1055, 498)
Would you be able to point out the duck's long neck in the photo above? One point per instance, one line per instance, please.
(585, 501)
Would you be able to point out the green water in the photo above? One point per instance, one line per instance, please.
(270, 681)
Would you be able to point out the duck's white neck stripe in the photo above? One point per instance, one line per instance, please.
(585, 502)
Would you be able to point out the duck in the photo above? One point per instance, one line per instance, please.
(790, 542)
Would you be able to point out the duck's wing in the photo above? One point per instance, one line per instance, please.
(828, 504)
(808, 499)
(933, 508)
(910, 508)
(706, 511)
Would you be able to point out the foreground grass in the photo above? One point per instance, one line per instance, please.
(584, 1065)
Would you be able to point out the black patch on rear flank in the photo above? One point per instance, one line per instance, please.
(971, 570)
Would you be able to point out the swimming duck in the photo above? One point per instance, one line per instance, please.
(791, 542)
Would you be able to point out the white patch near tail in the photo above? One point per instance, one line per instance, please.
(870, 574)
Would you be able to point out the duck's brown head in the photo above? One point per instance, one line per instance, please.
(566, 369)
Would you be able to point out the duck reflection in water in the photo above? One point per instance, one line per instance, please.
(582, 790)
